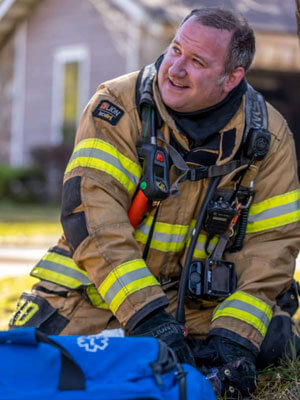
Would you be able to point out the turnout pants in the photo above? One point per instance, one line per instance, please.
(57, 310)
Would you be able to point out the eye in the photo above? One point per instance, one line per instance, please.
(176, 50)
(197, 62)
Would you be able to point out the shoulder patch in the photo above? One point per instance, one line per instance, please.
(108, 111)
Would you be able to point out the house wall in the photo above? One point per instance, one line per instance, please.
(6, 96)
(55, 24)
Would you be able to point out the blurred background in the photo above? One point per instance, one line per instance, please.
(54, 54)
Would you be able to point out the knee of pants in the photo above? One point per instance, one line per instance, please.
(280, 342)
(56, 310)
(35, 311)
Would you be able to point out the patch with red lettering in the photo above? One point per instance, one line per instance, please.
(108, 112)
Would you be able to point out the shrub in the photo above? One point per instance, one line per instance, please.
(21, 184)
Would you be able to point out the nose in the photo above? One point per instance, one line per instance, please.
(177, 69)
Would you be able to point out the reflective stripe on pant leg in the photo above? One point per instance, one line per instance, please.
(62, 270)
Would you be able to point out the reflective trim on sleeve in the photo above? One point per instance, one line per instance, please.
(172, 238)
(62, 270)
(124, 280)
(247, 308)
(276, 211)
(98, 154)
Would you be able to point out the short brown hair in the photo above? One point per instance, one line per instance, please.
(241, 49)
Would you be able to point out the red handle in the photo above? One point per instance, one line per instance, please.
(138, 208)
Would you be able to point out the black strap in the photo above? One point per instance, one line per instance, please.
(71, 375)
(180, 311)
(149, 238)
(197, 173)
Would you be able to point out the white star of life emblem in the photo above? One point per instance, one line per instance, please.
(93, 343)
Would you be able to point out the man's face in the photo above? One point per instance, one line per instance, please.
(189, 77)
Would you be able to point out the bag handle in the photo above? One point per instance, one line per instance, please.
(71, 375)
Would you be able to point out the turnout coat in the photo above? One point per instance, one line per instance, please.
(102, 253)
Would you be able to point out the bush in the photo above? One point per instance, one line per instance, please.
(21, 184)
(52, 161)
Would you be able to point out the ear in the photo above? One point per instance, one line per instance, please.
(233, 79)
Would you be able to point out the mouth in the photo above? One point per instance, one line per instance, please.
(177, 84)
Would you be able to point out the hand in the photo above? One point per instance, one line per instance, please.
(229, 366)
(164, 326)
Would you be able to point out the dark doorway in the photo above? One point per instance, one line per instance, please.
(281, 89)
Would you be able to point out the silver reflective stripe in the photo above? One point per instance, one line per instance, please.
(241, 305)
(169, 238)
(275, 212)
(123, 281)
(200, 246)
(161, 236)
(104, 156)
(51, 266)
(176, 238)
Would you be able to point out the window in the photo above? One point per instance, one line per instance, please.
(70, 91)
(70, 106)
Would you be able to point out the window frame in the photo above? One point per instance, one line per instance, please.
(62, 56)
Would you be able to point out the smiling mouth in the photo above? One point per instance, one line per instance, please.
(177, 85)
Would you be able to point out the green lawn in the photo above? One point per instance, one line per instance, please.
(29, 220)
(26, 213)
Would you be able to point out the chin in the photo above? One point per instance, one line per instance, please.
(169, 103)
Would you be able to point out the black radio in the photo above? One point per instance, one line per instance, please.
(211, 279)
(219, 216)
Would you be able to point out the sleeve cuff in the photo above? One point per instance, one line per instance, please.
(161, 302)
(235, 338)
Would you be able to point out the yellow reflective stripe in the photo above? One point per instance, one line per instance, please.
(164, 227)
(118, 272)
(253, 301)
(124, 280)
(158, 245)
(131, 288)
(99, 144)
(122, 168)
(172, 238)
(24, 312)
(247, 308)
(277, 211)
(55, 277)
(100, 165)
(243, 316)
(274, 222)
(63, 260)
(166, 237)
(275, 201)
(199, 251)
(62, 270)
(95, 297)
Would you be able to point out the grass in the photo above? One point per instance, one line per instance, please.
(27, 213)
(22, 221)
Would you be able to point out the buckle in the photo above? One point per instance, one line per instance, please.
(197, 173)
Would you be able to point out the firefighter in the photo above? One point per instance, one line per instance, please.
(186, 121)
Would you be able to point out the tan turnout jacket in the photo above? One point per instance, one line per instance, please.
(106, 162)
